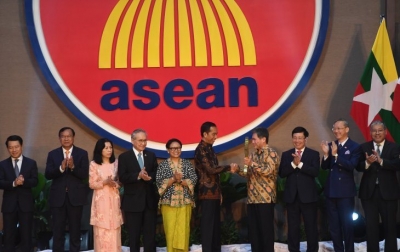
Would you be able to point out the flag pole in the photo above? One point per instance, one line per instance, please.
(383, 10)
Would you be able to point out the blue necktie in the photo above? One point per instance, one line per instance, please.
(140, 160)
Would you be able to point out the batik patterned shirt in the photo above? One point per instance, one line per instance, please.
(261, 178)
(176, 195)
(208, 170)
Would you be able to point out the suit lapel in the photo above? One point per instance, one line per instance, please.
(10, 168)
(304, 154)
(384, 149)
(135, 160)
(145, 158)
(371, 147)
(23, 165)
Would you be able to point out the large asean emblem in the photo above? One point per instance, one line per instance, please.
(167, 66)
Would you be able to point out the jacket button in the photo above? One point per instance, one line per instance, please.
(340, 178)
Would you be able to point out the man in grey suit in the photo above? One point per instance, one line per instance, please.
(137, 169)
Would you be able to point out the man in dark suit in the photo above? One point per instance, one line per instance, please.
(18, 174)
(68, 167)
(137, 171)
(379, 188)
(341, 157)
(300, 166)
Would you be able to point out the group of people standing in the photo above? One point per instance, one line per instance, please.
(170, 186)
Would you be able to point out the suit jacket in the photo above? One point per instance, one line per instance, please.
(300, 181)
(75, 181)
(386, 174)
(137, 192)
(340, 182)
(20, 195)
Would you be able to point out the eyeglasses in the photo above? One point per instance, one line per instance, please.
(65, 137)
(377, 131)
(175, 148)
(333, 129)
(142, 141)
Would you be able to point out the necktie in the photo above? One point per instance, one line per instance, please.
(378, 149)
(299, 153)
(140, 160)
(340, 146)
(16, 168)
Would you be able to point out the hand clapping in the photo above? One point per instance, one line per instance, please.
(19, 180)
(143, 174)
(296, 159)
(109, 181)
(178, 176)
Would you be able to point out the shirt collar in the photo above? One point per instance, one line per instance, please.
(263, 149)
(19, 159)
(70, 150)
(205, 143)
(381, 144)
(136, 152)
(344, 142)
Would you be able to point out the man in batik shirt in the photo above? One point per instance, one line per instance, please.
(261, 176)
(208, 170)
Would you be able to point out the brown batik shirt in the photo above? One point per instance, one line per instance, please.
(261, 179)
(208, 170)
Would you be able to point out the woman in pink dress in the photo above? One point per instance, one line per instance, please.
(106, 216)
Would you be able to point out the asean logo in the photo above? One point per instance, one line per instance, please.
(169, 65)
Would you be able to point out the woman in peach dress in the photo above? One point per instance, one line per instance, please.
(106, 216)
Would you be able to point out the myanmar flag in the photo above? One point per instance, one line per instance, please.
(377, 96)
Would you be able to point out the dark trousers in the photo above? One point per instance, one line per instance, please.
(10, 221)
(387, 209)
(340, 212)
(210, 226)
(60, 215)
(261, 227)
(309, 212)
(135, 221)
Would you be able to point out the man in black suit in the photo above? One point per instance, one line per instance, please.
(379, 188)
(68, 167)
(300, 166)
(341, 157)
(137, 169)
(18, 174)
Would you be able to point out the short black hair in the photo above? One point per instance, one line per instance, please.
(98, 149)
(64, 129)
(300, 129)
(14, 138)
(262, 132)
(205, 127)
(173, 140)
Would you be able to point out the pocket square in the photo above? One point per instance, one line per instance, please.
(347, 152)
